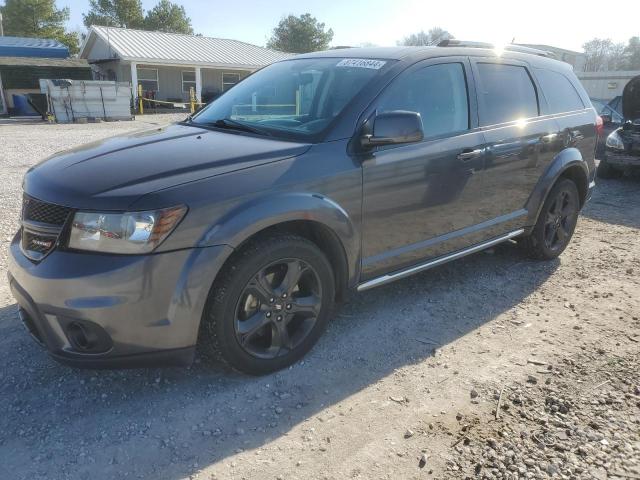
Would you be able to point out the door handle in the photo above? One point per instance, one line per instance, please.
(469, 154)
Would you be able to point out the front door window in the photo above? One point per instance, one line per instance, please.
(438, 93)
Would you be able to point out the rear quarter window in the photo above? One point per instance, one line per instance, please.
(561, 95)
(506, 93)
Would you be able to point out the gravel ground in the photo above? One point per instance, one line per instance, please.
(405, 383)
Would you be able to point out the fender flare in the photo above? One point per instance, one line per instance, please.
(247, 219)
(568, 158)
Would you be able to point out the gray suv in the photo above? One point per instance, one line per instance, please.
(238, 229)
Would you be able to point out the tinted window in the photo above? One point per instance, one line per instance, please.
(506, 93)
(438, 93)
(560, 94)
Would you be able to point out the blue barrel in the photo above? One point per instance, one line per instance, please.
(21, 107)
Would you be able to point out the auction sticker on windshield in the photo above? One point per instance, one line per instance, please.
(361, 63)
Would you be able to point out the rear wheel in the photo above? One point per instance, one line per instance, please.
(556, 222)
(606, 170)
(270, 305)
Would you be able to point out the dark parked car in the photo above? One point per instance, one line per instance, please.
(622, 146)
(611, 120)
(239, 228)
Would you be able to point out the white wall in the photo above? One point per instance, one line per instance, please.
(605, 85)
(98, 50)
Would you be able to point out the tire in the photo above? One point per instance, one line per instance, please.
(606, 171)
(556, 222)
(270, 305)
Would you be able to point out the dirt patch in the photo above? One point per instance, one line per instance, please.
(576, 417)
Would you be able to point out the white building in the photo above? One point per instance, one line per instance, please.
(167, 65)
(576, 59)
(606, 85)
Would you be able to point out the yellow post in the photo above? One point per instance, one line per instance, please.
(141, 107)
(192, 99)
(298, 103)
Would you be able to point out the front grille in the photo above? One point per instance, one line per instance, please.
(42, 224)
(38, 211)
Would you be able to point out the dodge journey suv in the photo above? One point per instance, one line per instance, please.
(237, 229)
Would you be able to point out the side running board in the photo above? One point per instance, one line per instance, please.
(390, 277)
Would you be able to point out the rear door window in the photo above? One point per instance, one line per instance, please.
(561, 95)
(437, 92)
(505, 93)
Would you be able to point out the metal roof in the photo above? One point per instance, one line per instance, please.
(43, 62)
(32, 47)
(174, 48)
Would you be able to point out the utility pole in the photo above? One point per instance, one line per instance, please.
(1, 29)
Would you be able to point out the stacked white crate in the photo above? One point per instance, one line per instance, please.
(88, 100)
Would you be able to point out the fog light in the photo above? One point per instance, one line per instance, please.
(86, 337)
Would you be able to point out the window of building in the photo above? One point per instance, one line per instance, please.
(148, 78)
(506, 93)
(437, 92)
(188, 81)
(229, 80)
(561, 95)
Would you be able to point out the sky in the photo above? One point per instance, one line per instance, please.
(561, 23)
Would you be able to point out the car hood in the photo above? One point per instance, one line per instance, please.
(631, 99)
(111, 174)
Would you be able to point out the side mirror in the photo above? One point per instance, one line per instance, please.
(393, 128)
(606, 118)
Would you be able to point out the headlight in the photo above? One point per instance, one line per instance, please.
(614, 141)
(126, 233)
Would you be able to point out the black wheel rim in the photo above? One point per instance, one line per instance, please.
(278, 308)
(559, 221)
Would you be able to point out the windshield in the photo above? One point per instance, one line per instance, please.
(294, 98)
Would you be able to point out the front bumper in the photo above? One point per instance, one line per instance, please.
(100, 310)
(622, 159)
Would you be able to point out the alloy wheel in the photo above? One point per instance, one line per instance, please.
(278, 308)
(559, 221)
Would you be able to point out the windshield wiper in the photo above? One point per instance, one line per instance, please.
(231, 124)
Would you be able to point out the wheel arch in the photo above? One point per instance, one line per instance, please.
(311, 216)
(568, 164)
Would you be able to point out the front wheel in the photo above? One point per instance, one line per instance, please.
(270, 305)
(556, 222)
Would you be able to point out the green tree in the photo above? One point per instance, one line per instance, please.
(300, 35)
(632, 54)
(617, 56)
(603, 54)
(38, 18)
(168, 17)
(421, 39)
(115, 13)
(597, 52)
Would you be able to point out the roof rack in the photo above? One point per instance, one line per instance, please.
(510, 47)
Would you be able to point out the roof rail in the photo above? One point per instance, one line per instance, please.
(510, 47)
